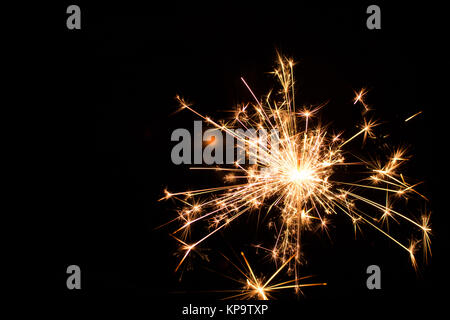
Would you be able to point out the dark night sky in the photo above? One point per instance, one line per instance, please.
(121, 73)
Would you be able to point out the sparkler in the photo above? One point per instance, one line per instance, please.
(293, 180)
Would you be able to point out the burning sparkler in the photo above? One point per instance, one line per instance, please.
(293, 179)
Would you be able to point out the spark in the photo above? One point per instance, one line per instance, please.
(414, 115)
(293, 180)
(261, 289)
(426, 230)
(359, 97)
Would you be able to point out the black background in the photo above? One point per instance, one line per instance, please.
(111, 93)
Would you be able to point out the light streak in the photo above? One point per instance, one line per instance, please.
(414, 115)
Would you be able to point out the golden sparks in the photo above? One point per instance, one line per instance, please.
(294, 181)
